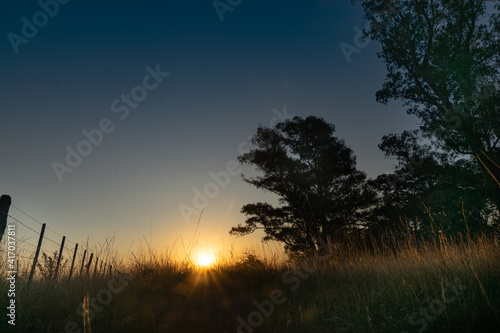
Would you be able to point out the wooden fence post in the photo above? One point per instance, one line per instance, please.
(59, 258)
(90, 263)
(36, 253)
(5, 202)
(83, 261)
(73, 262)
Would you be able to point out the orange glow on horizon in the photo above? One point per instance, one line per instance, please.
(204, 259)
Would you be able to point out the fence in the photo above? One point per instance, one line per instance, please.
(5, 205)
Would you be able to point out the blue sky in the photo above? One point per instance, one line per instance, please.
(225, 79)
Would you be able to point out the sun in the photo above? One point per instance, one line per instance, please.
(205, 260)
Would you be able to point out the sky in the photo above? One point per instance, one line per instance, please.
(152, 100)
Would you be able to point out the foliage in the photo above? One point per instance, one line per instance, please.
(47, 264)
(429, 189)
(314, 174)
(443, 61)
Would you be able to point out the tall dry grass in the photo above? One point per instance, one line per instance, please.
(442, 284)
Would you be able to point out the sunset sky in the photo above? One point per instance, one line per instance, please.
(225, 79)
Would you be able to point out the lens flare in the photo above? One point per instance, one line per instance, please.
(204, 259)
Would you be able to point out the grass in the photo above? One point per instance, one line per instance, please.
(443, 285)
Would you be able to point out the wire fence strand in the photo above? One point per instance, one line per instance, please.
(12, 217)
(69, 251)
(37, 221)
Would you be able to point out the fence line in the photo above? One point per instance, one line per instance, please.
(25, 242)
(58, 234)
(72, 253)
(33, 230)
(33, 267)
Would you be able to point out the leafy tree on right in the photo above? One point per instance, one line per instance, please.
(430, 190)
(443, 60)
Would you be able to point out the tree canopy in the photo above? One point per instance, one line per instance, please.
(443, 61)
(314, 175)
(428, 190)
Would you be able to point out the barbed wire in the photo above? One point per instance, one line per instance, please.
(25, 242)
(12, 217)
(46, 227)
(31, 217)
(70, 251)
(22, 242)
(85, 266)
(44, 236)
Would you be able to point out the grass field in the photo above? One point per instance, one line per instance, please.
(443, 285)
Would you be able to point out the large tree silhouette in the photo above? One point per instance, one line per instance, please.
(430, 190)
(321, 193)
(443, 61)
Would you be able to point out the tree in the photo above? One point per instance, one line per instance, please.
(429, 190)
(400, 194)
(321, 193)
(443, 60)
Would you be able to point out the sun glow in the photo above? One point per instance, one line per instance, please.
(204, 259)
